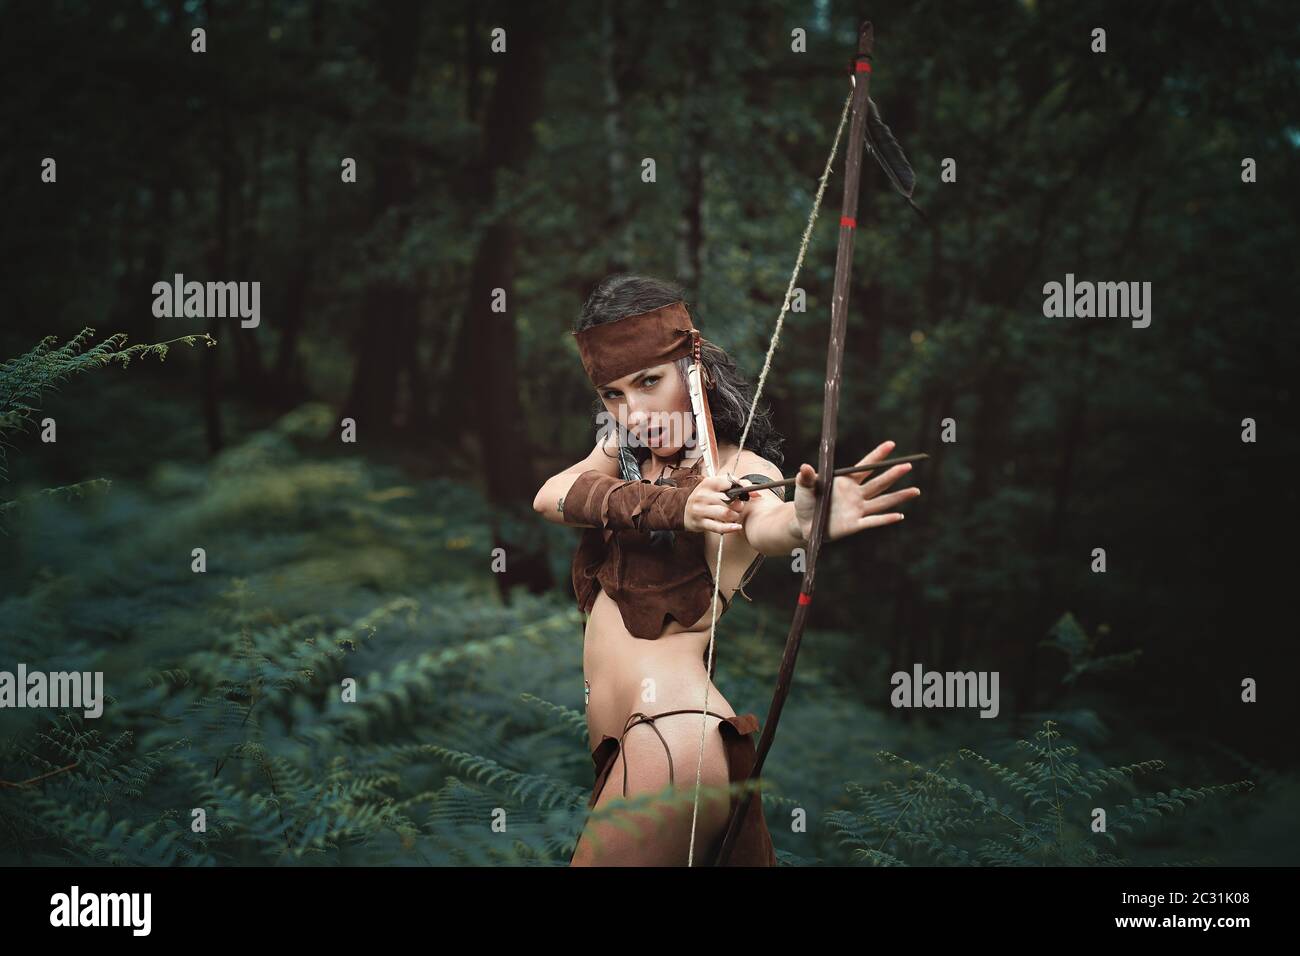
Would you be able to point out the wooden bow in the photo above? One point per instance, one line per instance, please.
(826, 455)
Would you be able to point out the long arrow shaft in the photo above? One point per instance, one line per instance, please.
(741, 490)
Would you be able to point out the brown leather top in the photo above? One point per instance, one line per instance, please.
(649, 583)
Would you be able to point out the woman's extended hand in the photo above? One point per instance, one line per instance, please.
(854, 506)
(708, 509)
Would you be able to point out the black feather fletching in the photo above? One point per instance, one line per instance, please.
(890, 155)
(887, 151)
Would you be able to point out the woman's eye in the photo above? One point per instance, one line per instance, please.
(646, 382)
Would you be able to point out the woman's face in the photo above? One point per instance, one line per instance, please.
(653, 406)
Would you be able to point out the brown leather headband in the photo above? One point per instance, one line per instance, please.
(614, 349)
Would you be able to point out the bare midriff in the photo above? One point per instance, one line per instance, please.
(617, 666)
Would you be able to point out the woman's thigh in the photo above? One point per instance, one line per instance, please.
(659, 834)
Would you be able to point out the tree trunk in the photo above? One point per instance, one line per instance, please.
(695, 131)
(486, 372)
(386, 339)
(614, 229)
(290, 386)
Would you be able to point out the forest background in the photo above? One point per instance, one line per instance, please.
(522, 171)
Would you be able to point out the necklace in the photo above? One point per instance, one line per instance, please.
(679, 465)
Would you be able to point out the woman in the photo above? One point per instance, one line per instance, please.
(643, 568)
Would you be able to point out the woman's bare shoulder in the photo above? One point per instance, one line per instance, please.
(749, 463)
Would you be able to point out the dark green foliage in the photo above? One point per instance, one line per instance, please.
(1033, 808)
(224, 692)
(935, 816)
(252, 731)
(1068, 637)
(226, 695)
(26, 378)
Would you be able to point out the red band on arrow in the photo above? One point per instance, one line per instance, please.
(805, 598)
(862, 66)
(848, 221)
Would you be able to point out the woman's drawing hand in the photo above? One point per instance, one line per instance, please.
(857, 502)
(708, 509)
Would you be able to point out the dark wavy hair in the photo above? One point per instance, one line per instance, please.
(623, 294)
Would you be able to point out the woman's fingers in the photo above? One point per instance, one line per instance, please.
(727, 513)
(722, 507)
(893, 500)
(719, 515)
(711, 510)
(875, 521)
(720, 527)
(878, 484)
(880, 451)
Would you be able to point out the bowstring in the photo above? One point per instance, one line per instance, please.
(753, 405)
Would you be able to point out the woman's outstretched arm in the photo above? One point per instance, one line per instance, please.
(549, 500)
(770, 525)
(777, 527)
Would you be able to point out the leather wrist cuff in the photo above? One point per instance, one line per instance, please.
(605, 502)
